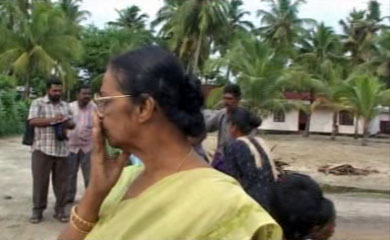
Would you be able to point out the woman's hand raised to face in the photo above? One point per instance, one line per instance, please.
(104, 170)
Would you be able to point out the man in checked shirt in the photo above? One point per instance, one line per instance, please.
(49, 155)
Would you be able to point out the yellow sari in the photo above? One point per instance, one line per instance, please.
(197, 204)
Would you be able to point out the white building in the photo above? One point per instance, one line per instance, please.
(322, 119)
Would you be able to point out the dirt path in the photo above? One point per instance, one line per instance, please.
(360, 217)
(306, 155)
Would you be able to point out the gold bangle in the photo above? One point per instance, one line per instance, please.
(77, 228)
(78, 218)
(80, 224)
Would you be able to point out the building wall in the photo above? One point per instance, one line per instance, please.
(343, 129)
(290, 124)
(374, 126)
(321, 121)
(376, 122)
(384, 117)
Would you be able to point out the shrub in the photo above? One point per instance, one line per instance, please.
(12, 113)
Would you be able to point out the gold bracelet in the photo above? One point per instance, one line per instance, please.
(77, 228)
(75, 218)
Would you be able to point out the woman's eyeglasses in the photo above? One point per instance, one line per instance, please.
(101, 102)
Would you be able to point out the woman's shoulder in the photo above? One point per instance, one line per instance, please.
(220, 189)
(233, 207)
(238, 144)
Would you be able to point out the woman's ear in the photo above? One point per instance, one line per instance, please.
(146, 109)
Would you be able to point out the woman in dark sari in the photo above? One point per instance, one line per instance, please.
(247, 158)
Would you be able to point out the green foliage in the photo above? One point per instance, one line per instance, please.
(7, 82)
(282, 27)
(214, 99)
(41, 40)
(363, 93)
(130, 18)
(12, 113)
(192, 26)
(102, 44)
(258, 71)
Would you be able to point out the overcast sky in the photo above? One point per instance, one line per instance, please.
(329, 11)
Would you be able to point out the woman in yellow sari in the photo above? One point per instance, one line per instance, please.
(149, 107)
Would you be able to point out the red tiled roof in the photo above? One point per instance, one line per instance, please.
(297, 96)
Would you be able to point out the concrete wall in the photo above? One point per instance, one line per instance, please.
(384, 117)
(344, 129)
(321, 121)
(375, 123)
(290, 124)
(374, 126)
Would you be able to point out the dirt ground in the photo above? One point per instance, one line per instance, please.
(361, 216)
(306, 155)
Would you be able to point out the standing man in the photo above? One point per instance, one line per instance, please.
(50, 117)
(80, 140)
(218, 120)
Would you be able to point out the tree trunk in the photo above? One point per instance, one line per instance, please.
(335, 129)
(228, 73)
(356, 135)
(27, 86)
(68, 94)
(189, 68)
(197, 52)
(307, 127)
(306, 133)
(365, 132)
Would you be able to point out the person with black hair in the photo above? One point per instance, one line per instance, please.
(80, 139)
(247, 158)
(218, 120)
(149, 107)
(50, 118)
(298, 205)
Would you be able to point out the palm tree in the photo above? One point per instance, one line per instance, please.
(381, 60)
(258, 71)
(130, 18)
(72, 11)
(236, 15)
(283, 27)
(314, 71)
(299, 80)
(12, 12)
(193, 28)
(74, 15)
(166, 17)
(333, 78)
(360, 30)
(40, 43)
(364, 93)
(236, 29)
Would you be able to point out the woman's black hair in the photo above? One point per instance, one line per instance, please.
(298, 205)
(244, 120)
(152, 70)
(327, 213)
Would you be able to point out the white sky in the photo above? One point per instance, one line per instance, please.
(329, 11)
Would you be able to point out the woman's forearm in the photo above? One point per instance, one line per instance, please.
(87, 209)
